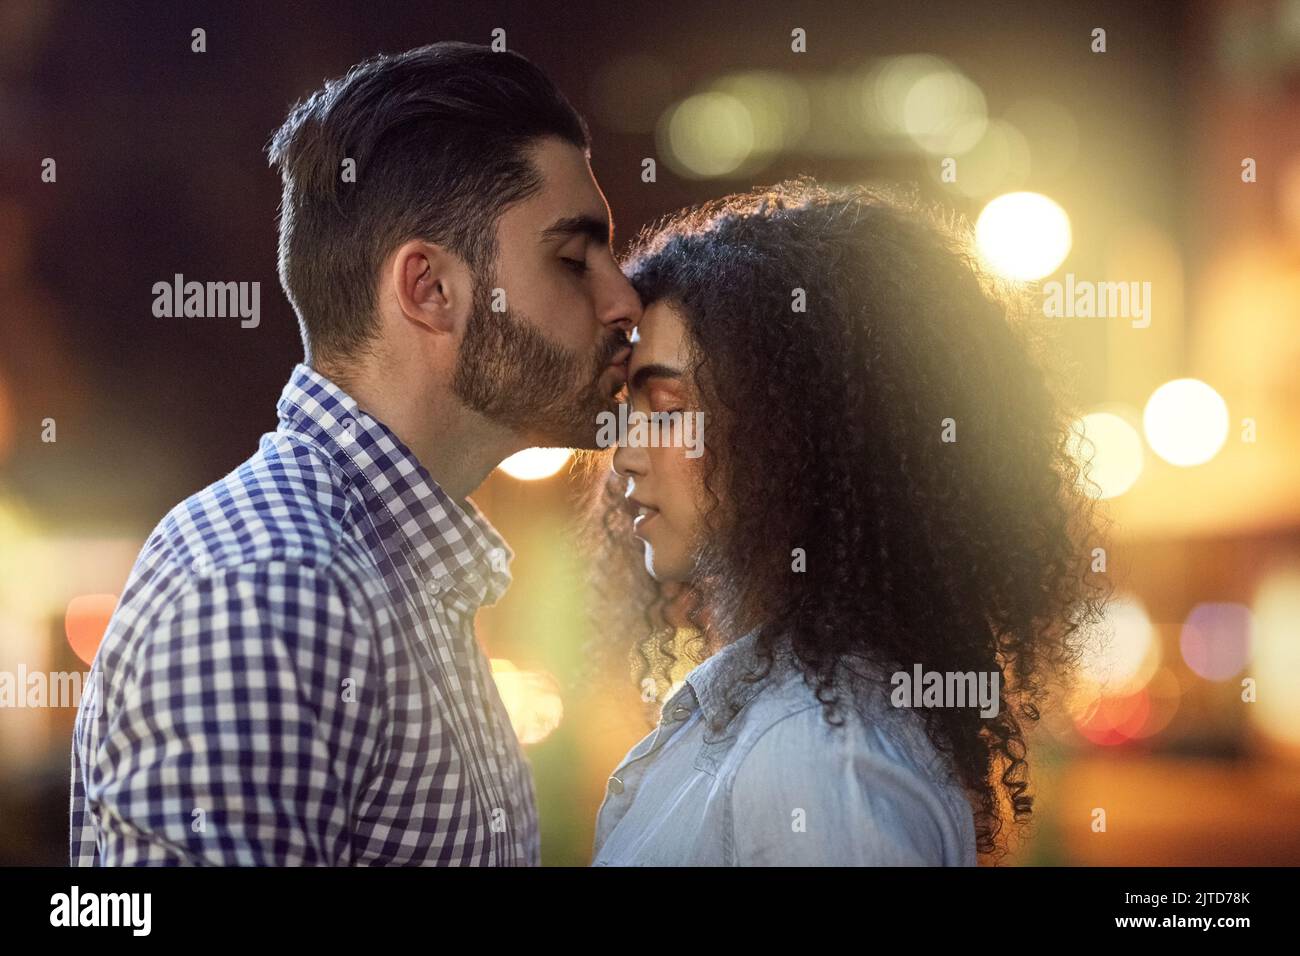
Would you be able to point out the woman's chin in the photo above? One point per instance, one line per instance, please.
(663, 571)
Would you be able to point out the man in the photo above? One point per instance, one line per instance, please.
(291, 676)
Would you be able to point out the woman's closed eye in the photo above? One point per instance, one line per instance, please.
(666, 400)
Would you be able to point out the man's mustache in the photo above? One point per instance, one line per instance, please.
(616, 343)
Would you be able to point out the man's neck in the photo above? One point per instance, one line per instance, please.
(458, 447)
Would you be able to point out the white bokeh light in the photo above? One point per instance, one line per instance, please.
(1109, 450)
(1023, 235)
(1186, 422)
(532, 464)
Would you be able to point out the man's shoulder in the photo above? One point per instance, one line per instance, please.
(286, 503)
(277, 522)
(271, 540)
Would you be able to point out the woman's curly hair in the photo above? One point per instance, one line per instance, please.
(826, 431)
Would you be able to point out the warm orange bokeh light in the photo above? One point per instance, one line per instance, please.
(1115, 720)
(6, 421)
(532, 699)
(86, 620)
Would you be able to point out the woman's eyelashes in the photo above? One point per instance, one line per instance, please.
(666, 401)
(578, 266)
(654, 408)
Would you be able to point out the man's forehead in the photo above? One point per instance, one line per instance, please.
(569, 189)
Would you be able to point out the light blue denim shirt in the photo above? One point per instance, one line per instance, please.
(780, 786)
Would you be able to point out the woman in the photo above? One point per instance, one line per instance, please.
(885, 489)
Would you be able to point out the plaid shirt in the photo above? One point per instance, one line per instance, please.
(291, 676)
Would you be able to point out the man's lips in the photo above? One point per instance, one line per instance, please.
(618, 365)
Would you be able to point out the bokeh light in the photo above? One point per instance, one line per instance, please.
(1275, 661)
(887, 84)
(533, 464)
(708, 134)
(6, 421)
(1123, 654)
(1023, 235)
(1186, 422)
(1123, 693)
(777, 107)
(1111, 721)
(999, 161)
(1109, 451)
(944, 112)
(85, 621)
(532, 699)
(1215, 640)
(1163, 694)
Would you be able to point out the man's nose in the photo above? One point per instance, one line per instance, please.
(621, 307)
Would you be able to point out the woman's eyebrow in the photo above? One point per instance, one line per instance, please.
(654, 371)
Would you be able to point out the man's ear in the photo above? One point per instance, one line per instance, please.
(432, 286)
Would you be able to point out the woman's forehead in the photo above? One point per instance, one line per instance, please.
(660, 338)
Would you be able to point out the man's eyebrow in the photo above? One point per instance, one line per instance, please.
(654, 371)
(598, 229)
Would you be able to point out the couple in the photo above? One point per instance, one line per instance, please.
(292, 677)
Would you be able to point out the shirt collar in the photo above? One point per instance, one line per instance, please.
(723, 673)
(450, 546)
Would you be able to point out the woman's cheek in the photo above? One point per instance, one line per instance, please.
(685, 495)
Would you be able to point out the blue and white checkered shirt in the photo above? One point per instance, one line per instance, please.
(291, 676)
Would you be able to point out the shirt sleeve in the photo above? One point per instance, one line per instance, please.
(808, 794)
(240, 729)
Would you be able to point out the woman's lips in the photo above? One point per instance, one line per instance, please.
(644, 515)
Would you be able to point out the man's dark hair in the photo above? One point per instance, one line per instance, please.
(439, 136)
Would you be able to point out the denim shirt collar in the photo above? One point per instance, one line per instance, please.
(724, 672)
(444, 541)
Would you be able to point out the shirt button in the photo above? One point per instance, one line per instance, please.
(615, 785)
(438, 587)
(681, 713)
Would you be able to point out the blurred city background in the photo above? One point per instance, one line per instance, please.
(1173, 157)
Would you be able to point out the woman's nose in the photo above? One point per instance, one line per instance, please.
(629, 462)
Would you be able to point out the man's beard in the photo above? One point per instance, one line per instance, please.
(515, 376)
